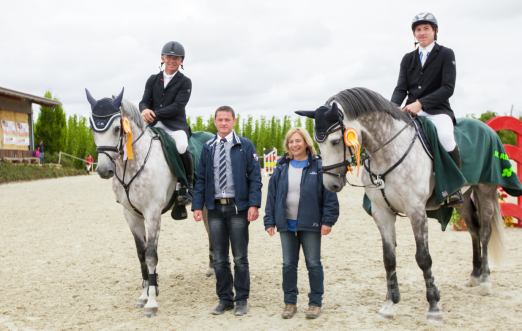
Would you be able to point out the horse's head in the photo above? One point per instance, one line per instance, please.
(338, 140)
(106, 125)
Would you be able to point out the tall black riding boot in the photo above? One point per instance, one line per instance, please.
(455, 200)
(186, 198)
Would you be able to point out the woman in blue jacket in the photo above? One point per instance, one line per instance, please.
(302, 210)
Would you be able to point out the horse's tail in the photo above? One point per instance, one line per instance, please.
(497, 247)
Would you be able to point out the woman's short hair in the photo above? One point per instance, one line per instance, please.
(308, 140)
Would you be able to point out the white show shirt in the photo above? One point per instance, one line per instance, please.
(425, 52)
(167, 78)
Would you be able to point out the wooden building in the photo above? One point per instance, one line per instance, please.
(16, 107)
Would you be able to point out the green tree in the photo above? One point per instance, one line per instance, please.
(237, 128)
(51, 127)
(211, 126)
(309, 126)
(506, 136)
(248, 128)
(80, 141)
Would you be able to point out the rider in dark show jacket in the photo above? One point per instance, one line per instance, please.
(163, 106)
(427, 76)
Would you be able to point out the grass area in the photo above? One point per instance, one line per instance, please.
(25, 172)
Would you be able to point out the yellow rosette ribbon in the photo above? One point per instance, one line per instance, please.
(127, 130)
(351, 139)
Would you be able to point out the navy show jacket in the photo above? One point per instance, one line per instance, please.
(317, 205)
(432, 84)
(245, 169)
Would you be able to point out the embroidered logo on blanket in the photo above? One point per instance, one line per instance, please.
(256, 157)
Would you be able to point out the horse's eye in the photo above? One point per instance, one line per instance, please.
(117, 129)
(335, 142)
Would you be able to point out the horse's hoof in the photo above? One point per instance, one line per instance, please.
(473, 281)
(210, 272)
(150, 312)
(141, 303)
(387, 316)
(435, 317)
(486, 289)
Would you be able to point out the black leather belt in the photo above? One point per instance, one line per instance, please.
(226, 201)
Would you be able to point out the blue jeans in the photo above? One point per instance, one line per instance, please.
(311, 242)
(226, 227)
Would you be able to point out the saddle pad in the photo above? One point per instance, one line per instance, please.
(196, 142)
(484, 161)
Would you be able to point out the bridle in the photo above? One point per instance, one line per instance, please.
(119, 150)
(376, 179)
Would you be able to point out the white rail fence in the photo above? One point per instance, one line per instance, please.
(74, 157)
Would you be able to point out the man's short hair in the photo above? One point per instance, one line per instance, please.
(225, 108)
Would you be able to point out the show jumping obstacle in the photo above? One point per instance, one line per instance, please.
(514, 153)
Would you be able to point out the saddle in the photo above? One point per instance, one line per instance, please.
(484, 161)
(196, 142)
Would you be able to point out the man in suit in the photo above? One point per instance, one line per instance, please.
(163, 106)
(427, 76)
(229, 185)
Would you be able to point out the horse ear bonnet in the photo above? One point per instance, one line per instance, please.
(327, 120)
(104, 111)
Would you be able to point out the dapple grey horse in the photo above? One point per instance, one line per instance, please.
(151, 188)
(374, 123)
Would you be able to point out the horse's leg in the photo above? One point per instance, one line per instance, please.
(486, 196)
(385, 221)
(151, 259)
(210, 269)
(137, 227)
(473, 226)
(419, 223)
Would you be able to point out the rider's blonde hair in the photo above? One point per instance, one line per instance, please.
(308, 140)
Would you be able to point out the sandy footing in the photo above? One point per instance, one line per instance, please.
(68, 262)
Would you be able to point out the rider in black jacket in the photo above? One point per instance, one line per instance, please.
(163, 106)
(427, 77)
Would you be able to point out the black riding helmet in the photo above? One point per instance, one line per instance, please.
(173, 48)
(423, 18)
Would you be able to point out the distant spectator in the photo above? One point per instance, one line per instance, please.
(40, 144)
(89, 161)
(37, 153)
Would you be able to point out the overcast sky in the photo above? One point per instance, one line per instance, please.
(259, 57)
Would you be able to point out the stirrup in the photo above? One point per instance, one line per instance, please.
(185, 199)
(457, 198)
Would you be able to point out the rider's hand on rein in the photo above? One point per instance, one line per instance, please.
(148, 115)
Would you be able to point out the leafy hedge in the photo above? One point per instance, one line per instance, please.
(24, 172)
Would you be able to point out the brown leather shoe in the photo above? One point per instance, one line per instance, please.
(313, 312)
(289, 311)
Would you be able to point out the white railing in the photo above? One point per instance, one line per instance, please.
(74, 157)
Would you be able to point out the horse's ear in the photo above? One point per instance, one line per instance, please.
(91, 100)
(116, 102)
(333, 113)
(307, 113)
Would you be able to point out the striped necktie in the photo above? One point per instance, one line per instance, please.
(222, 165)
(421, 55)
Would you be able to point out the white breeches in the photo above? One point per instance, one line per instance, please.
(444, 125)
(179, 136)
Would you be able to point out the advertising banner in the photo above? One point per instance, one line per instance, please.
(9, 132)
(23, 134)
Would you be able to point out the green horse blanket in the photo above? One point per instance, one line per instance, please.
(196, 142)
(484, 161)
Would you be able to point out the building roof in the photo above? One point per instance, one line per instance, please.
(32, 98)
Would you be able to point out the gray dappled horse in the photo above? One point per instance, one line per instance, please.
(371, 121)
(144, 191)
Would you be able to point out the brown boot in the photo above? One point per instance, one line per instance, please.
(313, 312)
(289, 311)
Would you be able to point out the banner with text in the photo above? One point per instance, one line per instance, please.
(23, 134)
(9, 132)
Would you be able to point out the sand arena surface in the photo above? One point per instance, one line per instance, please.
(69, 263)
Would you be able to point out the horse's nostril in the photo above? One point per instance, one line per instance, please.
(111, 173)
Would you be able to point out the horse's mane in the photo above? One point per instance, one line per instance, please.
(133, 113)
(360, 101)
